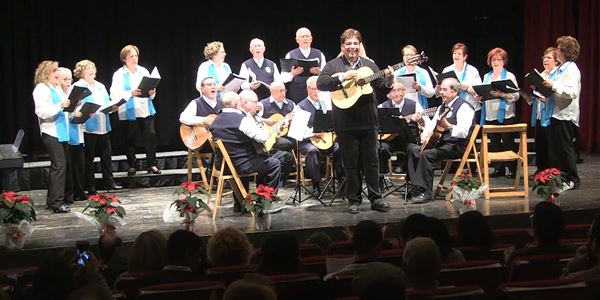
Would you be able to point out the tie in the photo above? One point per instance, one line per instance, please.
(318, 106)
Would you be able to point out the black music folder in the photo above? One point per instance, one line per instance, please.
(323, 122)
(147, 84)
(392, 121)
(505, 86)
(77, 93)
(440, 77)
(107, 108)
(288, 63)
(87, 111)
(233, 82)
(535, 78)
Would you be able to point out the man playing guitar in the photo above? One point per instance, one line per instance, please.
(277, 103)
(201, 112)
(454, 131)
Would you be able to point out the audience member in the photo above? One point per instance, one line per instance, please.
(379, 281)
(54, 279)
(149, 252)
(548, 224)
(112, 256)
(252, 287)
(228, 247)
(585, 262)
(421, 263)
(473, 230)
(280, 255)
(321, 239)
(415, 225)
(439, 233)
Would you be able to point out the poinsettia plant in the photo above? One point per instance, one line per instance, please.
(259, 201)
(187, 204)
(465, 190)
(466, 181)
(105, 208)
(15, 208)
(548, 183)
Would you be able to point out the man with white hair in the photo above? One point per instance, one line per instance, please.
(259, 69)
(239, 133)
(277, 103)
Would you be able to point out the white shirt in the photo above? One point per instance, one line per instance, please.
(222, 73)
(247, 73)
(188, 115)
(493, 105)
(470, 78)
(464, 120)
(249, 127)
(47, 111)
(566, 93)
(287, 76)
(99, 96)
(118, 92)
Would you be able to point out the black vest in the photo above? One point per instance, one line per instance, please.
(203, 109)
(409, 108)
(270, 108)
(226, 128)
(447, 135)
(307, 105)
(297, 87)
(266, 74)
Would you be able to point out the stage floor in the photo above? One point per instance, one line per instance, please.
(145, 209)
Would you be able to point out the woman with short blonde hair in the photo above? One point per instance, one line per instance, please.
(214, 66)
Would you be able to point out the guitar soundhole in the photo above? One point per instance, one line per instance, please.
(360, 82)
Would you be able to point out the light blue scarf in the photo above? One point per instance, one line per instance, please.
(92, 123)
(130, 105)
(502, 109)
(62, 128)
(421, 79)
(212, 72)
(547, 107)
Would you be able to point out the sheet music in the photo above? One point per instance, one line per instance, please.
(299, 124)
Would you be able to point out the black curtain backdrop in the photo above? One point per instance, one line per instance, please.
(172, 34)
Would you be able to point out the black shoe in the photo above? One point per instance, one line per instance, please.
(153, 170)
(81, 197)
(420, 199)
(511, 175)
(380, 205)
(316, 192)
(92, 192)
(497, 173)
(354, 208)
(114, 187)
(576, 184)
(131, 171)
(61, 209)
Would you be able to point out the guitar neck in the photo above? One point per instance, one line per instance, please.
(381, 73)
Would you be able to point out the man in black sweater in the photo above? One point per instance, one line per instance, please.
(356, 126)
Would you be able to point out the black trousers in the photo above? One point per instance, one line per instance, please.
(359, 155)
(560, 148)
(420, 165)
(314, 157)
(98, 144)
(75, 173)
(268, 169)
(58, 170)
(141, 128)
(504, 141)
(287, 161)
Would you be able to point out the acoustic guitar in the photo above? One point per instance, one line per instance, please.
(437, 132)
(429, 112)
(325, 142)
(276, 130)
(195, 136)
(352, 89)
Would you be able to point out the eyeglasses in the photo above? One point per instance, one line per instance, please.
(547, 57)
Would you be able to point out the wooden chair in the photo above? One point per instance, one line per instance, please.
(224, 171)
(194, 153)
(183, 290)
(470, 156)
(300, 168)
(521, 158)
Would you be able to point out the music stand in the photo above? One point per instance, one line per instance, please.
(392, 122)
(323, 122)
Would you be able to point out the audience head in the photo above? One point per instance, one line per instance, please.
(229, 247)
(381, 281)
(184, 248)
(47, 72)
(321, 239)
(278, 90)
(230, 99)
(548, 223)
(497, 57)
(415, 225)
(65, 79)
(149, 252)
(568, 48)
(252, 287)
(473, 230)
(215, 51)
(421, 263)
(304, 38)
(280, 254)
(439, 234)
(130, 55)
(593, 243)
(107, 245)
(367, 239)
(55, 279)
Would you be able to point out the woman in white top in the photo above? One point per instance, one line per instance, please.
(96, 128)
(214, 66)
(74, 179)
(500, 111)
(423, 87)
(138, 112)
(50, 100)
(467, 76)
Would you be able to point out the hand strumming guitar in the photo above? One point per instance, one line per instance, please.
(208, 120)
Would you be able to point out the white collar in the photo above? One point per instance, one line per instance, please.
(231, 109)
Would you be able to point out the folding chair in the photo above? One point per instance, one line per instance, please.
(488, 158)
(470, 156)
(190, 164)
(224, 171)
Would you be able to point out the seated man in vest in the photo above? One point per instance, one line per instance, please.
(277, 103)
(312, 104)
(456, 128)
(202, 110)
(239, 133)
(248, 103)
(258, 69)
(407, 107)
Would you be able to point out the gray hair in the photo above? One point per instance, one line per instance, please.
(230, 99)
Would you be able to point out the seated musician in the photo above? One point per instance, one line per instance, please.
(453, 132)
(248, 104)
(277, 103)
(313, 155)
(407, 107)
(201, 111)
(239, 133)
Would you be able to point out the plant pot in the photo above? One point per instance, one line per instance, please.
(188, 220)
(262, 222)
(553, 197)
(14, 237)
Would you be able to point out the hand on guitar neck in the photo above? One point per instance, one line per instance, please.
(430, 139)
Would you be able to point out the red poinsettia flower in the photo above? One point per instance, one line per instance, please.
(23, 199)
(265, 191)
(111, 210)
(190, 186)
(9, 196)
